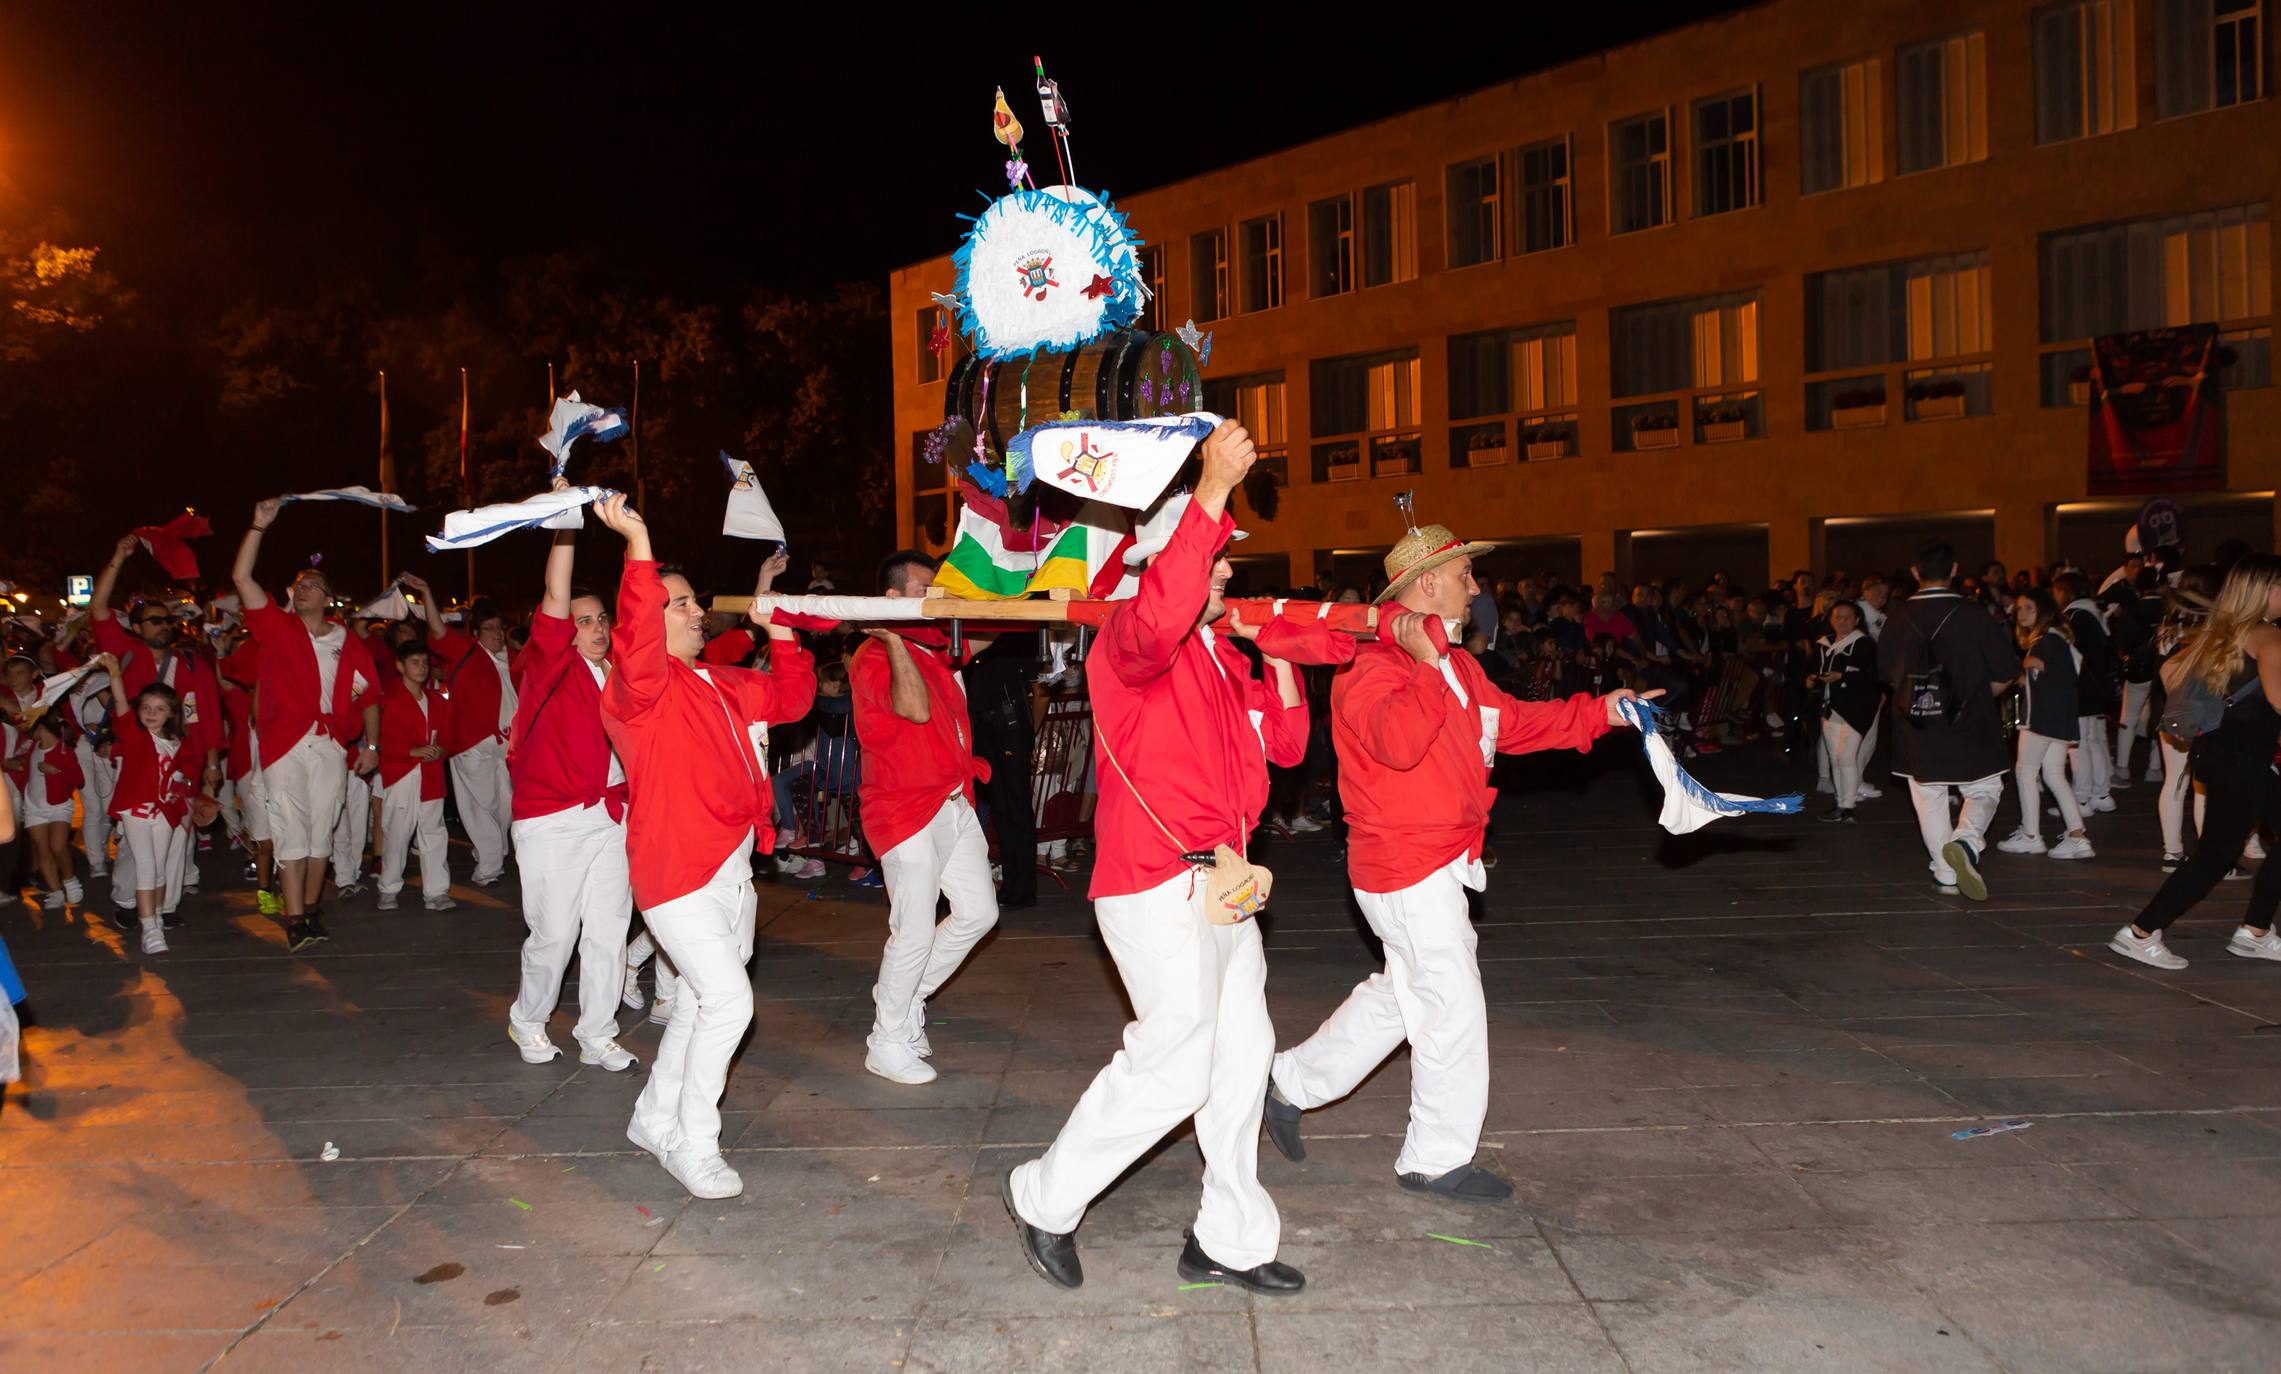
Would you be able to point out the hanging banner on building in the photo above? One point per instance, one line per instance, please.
(2157, 415)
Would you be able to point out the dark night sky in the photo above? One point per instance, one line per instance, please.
(220, 149)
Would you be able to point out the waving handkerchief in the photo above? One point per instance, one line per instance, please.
(1687, 804)
(464, 529)
(574, 420)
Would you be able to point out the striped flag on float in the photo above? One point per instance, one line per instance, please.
(991, 560)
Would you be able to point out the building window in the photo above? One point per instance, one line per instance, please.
(931, 507)
(1864, 320)
(1639, 172)
(2207, 268)
(1676, 360)
(1841, 118)
(1476, 212)
(2085, 77)
(1365, 412)
(1261, 241)
(1547, 217)
(1390, 233)
(934, 366)
(1256, 403)
(1941, 102)
(1513, 385)
(1726, 153)
(1208, 274)
(1152, 276)
(1330, 246)
(2208, 54)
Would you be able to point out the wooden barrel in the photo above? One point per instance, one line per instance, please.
(1127, 375)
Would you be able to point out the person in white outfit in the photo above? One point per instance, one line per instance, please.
(2048, 727)
(1846, 678)
(474, 672)
(91, 706)
(412, 782)
(2090, 760)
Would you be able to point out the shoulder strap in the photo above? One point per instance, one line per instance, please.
(1242, 841)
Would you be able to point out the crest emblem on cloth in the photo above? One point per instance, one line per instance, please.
(1035, 271)
(1094, 467)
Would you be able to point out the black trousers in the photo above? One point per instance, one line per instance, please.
(1007, 741)
(2244, 792)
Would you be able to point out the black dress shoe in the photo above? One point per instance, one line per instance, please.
(1274, 1277)
(1053, 1255)
(1282, 1122)
(1465, 1183)
(123, 917)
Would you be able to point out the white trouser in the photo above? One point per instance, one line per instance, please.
(708, 935)
(576, 897)
(638, 952)
(486, 803)
(404, 820)
(1823, 772)
(2043, 759)
(95, 807)
(1201, 1047)
(1429, 993)
(303, 792)
(241, 798)
(1981, 797)
(149, 845)
(2130, 725)
(1845, 747)
(948, 857)
(352, 830)
(2094, 770)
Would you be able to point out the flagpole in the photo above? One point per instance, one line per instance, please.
(386, 482)
(466, 491)
(634, 437)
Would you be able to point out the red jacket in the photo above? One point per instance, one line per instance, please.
(194, 680)
(558, 755)
(146, 779)
(465, 670)
(1192, 728)
(1414, 764)
(403, 728)
(285, 702)
(65, 780)
(730, 647)
(695, 752)
(909, 770)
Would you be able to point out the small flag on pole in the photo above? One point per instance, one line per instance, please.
(749, 515)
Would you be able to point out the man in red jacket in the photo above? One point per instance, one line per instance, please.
(1186, 735)
(473, 671)
(412, 781)
(570, 823)
(694, 742)
(917, 803)
(317, 714)
(1418, 728)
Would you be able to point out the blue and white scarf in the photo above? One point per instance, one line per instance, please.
(464, 529)
(363, 496)
(574, 420)
(1687, 804)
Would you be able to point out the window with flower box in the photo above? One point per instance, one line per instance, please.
(1862, 322)
(1365, 412)
(1686, 365)
(1208, 294)
(2208, 55)
(2210, 267)
(1256, 403)
(1513, 394)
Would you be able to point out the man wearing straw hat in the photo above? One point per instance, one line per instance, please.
(1186, 735)
(1418, 729)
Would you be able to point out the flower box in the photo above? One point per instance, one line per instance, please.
(1539, 449)
(1493, 457)
(1940, 408)
(2079, 393)
(1857, 417)
(1665, 436)
(1344, 472)
(1723, 431)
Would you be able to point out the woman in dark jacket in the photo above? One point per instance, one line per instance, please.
(2049, 723)
(1847, 680)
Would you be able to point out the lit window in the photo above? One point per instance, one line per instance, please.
(2208, 54)
(1476, 213)
(2085, 76)
(1941, 102)
(1256, 402)
(1365, 412)
(1726, 153)
(1639, 156)
(2208, 268)
(1841, 118)
(1390, 233)
(1699, 356)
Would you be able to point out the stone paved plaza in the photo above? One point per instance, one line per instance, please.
(1727, 1073)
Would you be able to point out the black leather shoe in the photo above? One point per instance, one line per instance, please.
(1274, 1277)
(1465, 1183)
(123, 918)
(1282, 1122)
(1053, 1256)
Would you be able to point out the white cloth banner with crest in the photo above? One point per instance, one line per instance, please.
(1123, 462)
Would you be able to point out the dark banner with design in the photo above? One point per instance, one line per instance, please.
(2158, 420)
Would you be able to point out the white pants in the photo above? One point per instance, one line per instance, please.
(708, 934)
(95, 807)
(353, 829)
(948, 857)
(2094, 770)
(302, 792)
(576, 896)
(404, 820)
(638, 953)
(149, 845)
(486, 804)
(1981, 797)
(241, 798)
(2043, 759)
(1201, 1048)
(1429, 993)
(1847, 750)
(2131, 724)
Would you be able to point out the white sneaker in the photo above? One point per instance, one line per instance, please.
(2100, 804)
(1867, 793)
(704, 1175)
(632, 996)
(636, 1134)
(919, 1043)
(98, 870)
(487, 879)
(2120, 781)
(387, 901)
(609, 1054)
(73, 892)
(536, 1048)
(53, 901)
(351, 888)
(2255, 849)
(2021, 842)
(441, 903)
(1304, 824)
(154, 936)
(2235, 874)
(2250, 946)
(2147, 950)
(661, 1011)
(899, 1064)
(2073, 847)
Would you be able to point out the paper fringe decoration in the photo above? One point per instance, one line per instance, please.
(1025, 266)
(1687, 804)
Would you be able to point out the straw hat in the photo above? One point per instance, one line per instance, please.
(1422, 550)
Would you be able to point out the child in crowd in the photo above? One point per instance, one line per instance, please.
(2048, 727)
(48, 784)
(151, 801)
(412, 781)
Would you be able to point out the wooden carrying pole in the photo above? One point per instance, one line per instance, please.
(1350, 617)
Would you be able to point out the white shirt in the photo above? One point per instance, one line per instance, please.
(506, 692)
(602, 678)
(328, 646)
